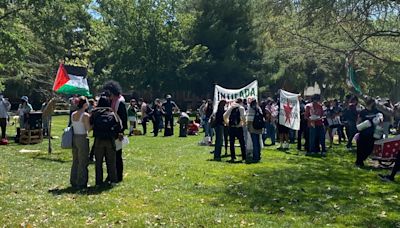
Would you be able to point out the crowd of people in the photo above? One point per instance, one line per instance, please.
(254, 124)
(320, 121)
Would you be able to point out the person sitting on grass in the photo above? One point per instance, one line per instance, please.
(193, 128)
(183, 123)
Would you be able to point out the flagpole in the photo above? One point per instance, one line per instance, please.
(50, 149)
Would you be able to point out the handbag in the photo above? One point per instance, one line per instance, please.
(66, 139)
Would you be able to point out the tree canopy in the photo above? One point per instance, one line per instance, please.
(161, 46)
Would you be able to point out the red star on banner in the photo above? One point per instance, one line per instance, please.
(288, 112)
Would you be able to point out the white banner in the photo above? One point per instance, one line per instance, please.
(230, 95)
(289, 110)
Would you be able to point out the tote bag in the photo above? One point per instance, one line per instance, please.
(66, 139)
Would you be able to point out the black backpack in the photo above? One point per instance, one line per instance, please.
(234, 118)
(258, 122)
(106, 124)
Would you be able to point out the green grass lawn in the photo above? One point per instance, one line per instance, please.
(169, 182)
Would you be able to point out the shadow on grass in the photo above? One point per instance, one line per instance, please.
(316, 189)
(51, 159)
(59, 160)
(95, 190)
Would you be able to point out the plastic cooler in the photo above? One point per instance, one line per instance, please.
(386, 150)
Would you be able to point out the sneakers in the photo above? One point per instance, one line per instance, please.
(360, 165)
(386, 178)
(285, 146)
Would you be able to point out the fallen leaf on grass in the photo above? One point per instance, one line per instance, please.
(25, 225)
(382, 214)
(90, 221)
(336, 206)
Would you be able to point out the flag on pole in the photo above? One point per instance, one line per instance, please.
(351, 79)
(71, 80)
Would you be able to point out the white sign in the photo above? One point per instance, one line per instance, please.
(289, 110)
(230, 95)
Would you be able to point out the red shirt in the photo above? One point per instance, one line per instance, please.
(313, 114)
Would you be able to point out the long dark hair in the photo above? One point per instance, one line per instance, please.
(82, 100)
(221, 105)
(103, 102)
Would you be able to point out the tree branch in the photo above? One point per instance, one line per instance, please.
(6, 14)
(318, 43)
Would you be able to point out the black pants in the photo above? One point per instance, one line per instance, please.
(156, 125)
(144, 124)
(237, 132)
(91, 154)
(169, 119)
(302, 132)
(3, 125)
(351, 130)
(183, 126)
(340, 131)
(365, 146)
(226, 138)
(119, 165)
(396, 166)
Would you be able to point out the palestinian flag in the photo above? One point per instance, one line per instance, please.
(71, 80)
(351, 79)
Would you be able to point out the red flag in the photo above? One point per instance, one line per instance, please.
(61, 78)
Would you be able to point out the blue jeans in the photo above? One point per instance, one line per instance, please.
(317, 134)
(292, 135)
(219, 134)
(271, 132)
(207, 128)
(255, 139)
